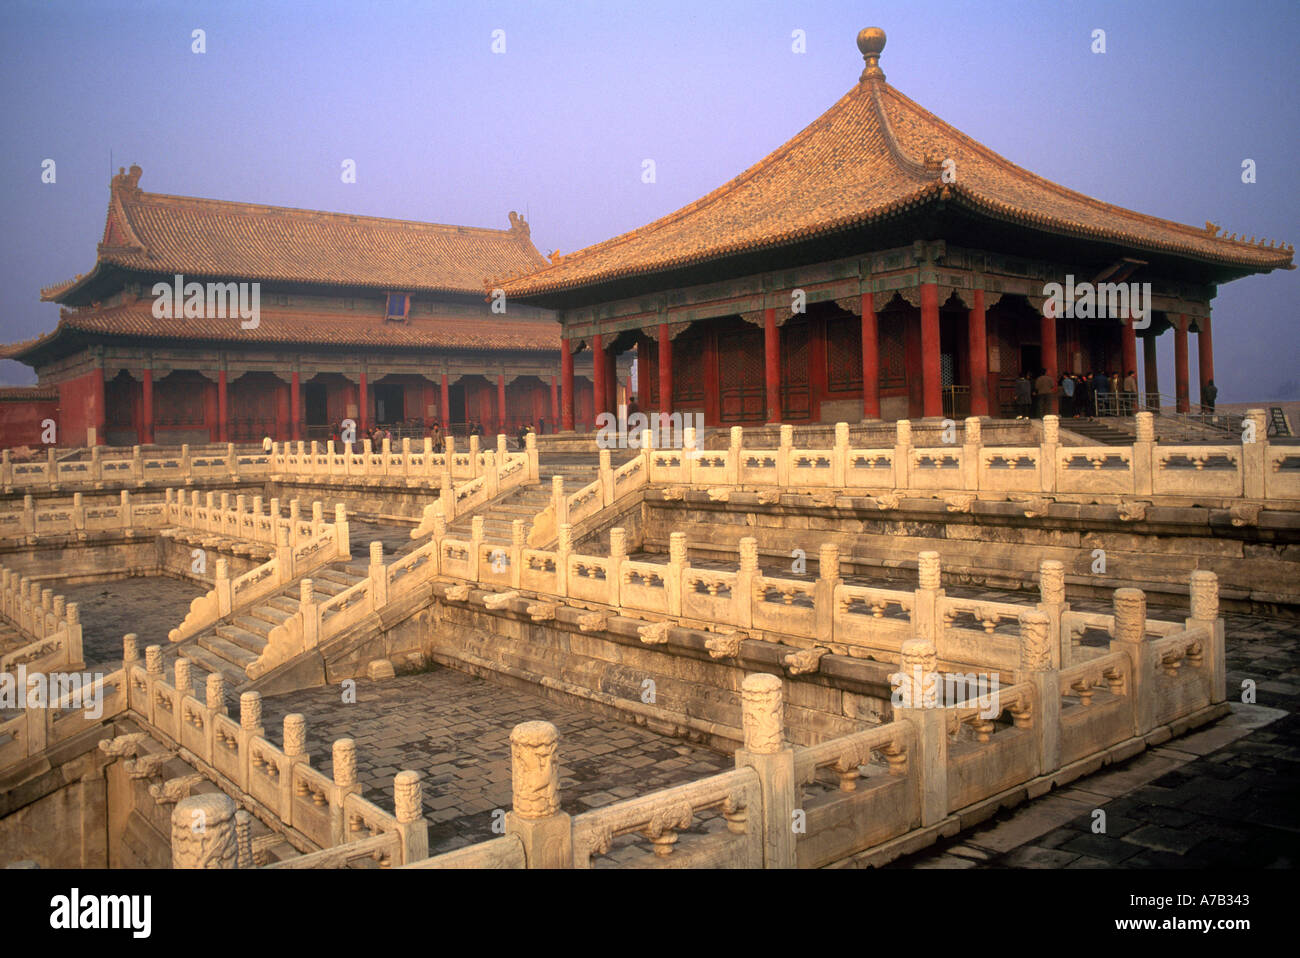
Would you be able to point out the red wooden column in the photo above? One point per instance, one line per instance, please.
(1151, 372)
(1204, 352)
(444, 403)
(501, 402)
(223, 407)
(932, 388)
(870, 359)
(295, 407)
(665, 371)
(978, 347)
(1048, 337)
(566, 383)
(599, 371)
(363, 411)
(772, 364)
(1180, 365)
(146, 408)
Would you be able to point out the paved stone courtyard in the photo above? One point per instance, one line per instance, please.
(454, 728)
(150, 606)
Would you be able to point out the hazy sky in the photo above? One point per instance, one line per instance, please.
(445, 130)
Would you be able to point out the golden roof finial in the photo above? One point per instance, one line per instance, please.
(871, 41)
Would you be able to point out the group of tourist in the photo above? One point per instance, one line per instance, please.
(1080, 394)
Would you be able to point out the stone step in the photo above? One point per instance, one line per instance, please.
(251, 622)
(207, 662)
(238, 656)
(274, 613)
(282, 603)
(251, 642)
(342, 577)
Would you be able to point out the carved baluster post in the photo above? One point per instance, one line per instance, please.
(446, 494)
(250, 727)
(128, 512)
(184, 681)
(783, 457)
(1205, 614)
(378, 577)
(926, 622)
(475, 548)
(342, 533)
(1047, 453)
(295, 750)
(1038, 669)
(309, 610)
(78, 513)
(1130, 636)
(345, 784)
(746, 582)
(474, 467)
(828, 580)
(915, 700)
(690, 454)
(203, 832)
(1051, 600)
(563, 546)
(214, 693)
(903, 455)
(972, 450)
(678, 563)
(840, 455)
(518, 542)
(530, 447)
(1144, 455)
(1254, 455)
(559, 501)
(766, 752)
(408, 807)
(244, 839)
(535, 816)
(221, 583)
(153, 668)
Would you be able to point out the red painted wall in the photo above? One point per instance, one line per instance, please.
(81, 404)
(20, 422)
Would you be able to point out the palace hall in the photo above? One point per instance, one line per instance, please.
(882, 265)
(384, 322)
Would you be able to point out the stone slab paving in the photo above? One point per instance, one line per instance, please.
(150, 606)
(1224, 796)
(454, 728)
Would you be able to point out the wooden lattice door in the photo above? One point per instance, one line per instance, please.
(741, 380)
(796, 388)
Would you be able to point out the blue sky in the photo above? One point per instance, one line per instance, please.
(443, 129)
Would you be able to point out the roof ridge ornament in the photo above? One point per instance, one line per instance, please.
(871, 41)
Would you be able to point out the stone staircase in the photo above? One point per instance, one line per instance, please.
(1119, 432)
(527, 501)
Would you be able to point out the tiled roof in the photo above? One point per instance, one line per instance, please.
(158, 233)
(873, 155)
(28, 393)
(306, 328)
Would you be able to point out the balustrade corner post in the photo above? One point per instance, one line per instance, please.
(221, 583)
(1254, 455)
(284, 554)
(295, 750)
(1129, 636)
(563, 547)
(137, 464)
(534, 467)
(344, 754)
(214, 697)
(250, 727)
(96, 464)
(915, 700)
(972, 452)
(765, 750)
(1051, 600)
(1144, 453)
(903, 454)
(1039, 670)
(678, 563)
(153, 674)
(828, 581)
(244, 840)
(232, 461)
(535, 817)
(491, 474)
(617, 556)
(71, 615)
(130, 653)
(204, 833)
(925, 611)
(606, 476)
(1205, 614)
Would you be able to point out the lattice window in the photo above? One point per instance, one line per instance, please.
(893, 351)
(796, 396)
(844, 355)
(688, 369)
